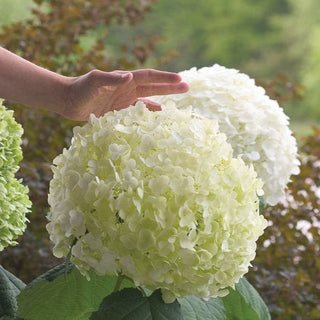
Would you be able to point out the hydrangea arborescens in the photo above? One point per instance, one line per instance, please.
(156, 196)
(10, 142)
(14, 200)
(14, 205)
(255, 125)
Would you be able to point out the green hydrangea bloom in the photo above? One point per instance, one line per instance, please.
(14, 204)
(10, 142)
(14, 200)
(158, 197)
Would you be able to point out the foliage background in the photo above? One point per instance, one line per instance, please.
(274, 41)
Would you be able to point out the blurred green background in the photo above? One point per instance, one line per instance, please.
(273, 41)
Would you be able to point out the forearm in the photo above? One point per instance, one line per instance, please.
(22, 81)
(77, 97)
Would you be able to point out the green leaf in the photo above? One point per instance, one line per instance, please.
(60, 270)
(7, 318)
(10, 287)
(62, 295)
(253, 298)
(130, 304)
(195, 308)
(245, 303)
(164, 311)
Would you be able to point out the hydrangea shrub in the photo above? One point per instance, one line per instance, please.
(158, 197)
(14, 200)
(255, 125)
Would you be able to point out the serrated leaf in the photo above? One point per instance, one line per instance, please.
(10, 287)
(245, 303)
(67, 296)
(130, 304)
(195, 308)
(163, 311)
(50, 275)
(121, 304)
(253, 298)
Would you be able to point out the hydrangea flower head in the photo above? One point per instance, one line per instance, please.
(255, 125)
(156, 196)
(14, 200)
(14, 205)
(10, 142)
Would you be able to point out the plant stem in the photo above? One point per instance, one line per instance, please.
(142, 291)
(118, 283)
(127, 278)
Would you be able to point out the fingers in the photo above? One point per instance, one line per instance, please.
(148, 82)
(156, 76)
(151, 105)
(161, 89)
(114, 78)
(152, 82)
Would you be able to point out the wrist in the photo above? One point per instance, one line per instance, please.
(63, 99)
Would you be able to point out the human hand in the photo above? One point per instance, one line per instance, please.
(99, 92)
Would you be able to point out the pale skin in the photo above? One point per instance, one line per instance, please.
(76, 98)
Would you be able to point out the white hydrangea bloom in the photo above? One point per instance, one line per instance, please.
(255, 125)
(158, 197)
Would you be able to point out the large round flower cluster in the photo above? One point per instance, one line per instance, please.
(156, 196)
(10, 142)
(255, 125)
(14, 201)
